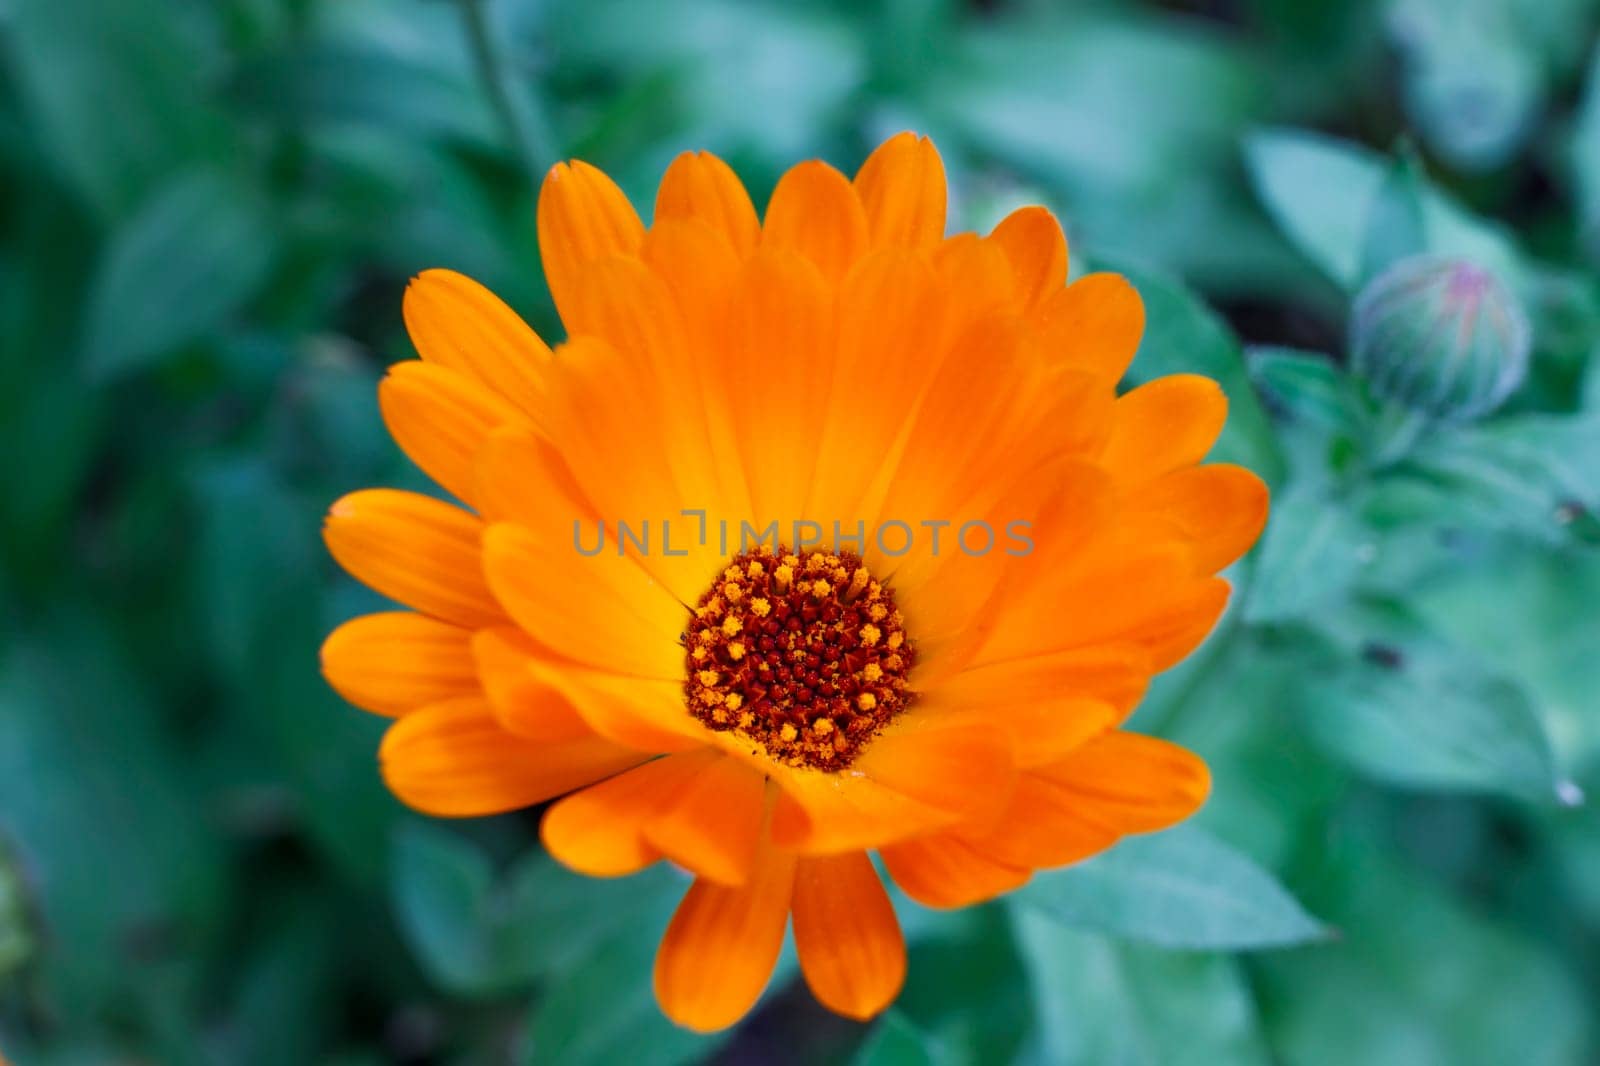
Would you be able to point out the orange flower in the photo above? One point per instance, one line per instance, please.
(767, 714)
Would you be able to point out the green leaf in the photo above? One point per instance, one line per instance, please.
(1547, 643)
(191, 256)
(896, 1041)
(1396, 226)
(479, 935)
(1312, 554)
(1473, 74)
(1402, 704)
(16, 925)
(1417, 977)
(1536, 475)
(1099, 1001)
(1184, 336)
(1320, 190)
(95, 797)
(1307, 386)
(1181, 888)
(442, 898)
(118, 95)
(966, 991)
(364, 83)
(1586, 158)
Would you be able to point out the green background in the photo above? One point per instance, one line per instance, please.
(208, 213)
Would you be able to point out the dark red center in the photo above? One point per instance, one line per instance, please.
(804, 654)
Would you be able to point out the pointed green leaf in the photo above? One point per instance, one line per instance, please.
(188, 259)
(1182, 888)
(1099, 1001)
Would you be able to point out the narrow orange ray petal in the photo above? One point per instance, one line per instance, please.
(603, 611)
(1113, 674)
(1132, 783)
(1043, 827)
(704, 274)
(1220, 509)
(453, 760)
(1093, 324)
(414, 549)
(600, 831)
(1163, 425)
(1037, 250)
(583, 216)
(720, 948)
(902, 191)
(440, 418)
(641, 713)
(815, 211)
(457, 323)
(851, 950)
(961, 766)
(943, 871)
(397, 661)
(713, 827)
(524, 705)
(701, 187)
(819, 813)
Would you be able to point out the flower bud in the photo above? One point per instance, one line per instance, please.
(1439, 336)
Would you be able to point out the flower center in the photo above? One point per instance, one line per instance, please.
(804, 654)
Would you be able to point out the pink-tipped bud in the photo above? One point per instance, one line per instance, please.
(1440, 336)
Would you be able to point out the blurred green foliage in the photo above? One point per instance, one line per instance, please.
(208, 212)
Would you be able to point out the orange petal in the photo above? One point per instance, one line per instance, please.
(583, 216)
(623, 302)
(703, 272)
(1187, 620)
(782, 318)
(636, 712)
(457, 323)
(1032, 240)
(714, 826)
(1116, 674)
(452, 759)
(1163, 425)
(520, 477)
(1132, 783)
(1144, 595)
(641, 456)
(397, 661)
(815, 211)
(847, 936)
(1094, 324)
(1043, 827)
(600, 831)
(523, 704)
(1220, 509)
(819, 813)
(440, 418)
(943, 871)
(414, 549)
(702, 187)
(1041, 732)
(960, 767)
(902, 191)
(601, 610)
(888, 342)
(719, 951)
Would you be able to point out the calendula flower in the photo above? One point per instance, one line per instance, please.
(969, 556)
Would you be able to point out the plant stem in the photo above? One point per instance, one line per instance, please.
(526, 130)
